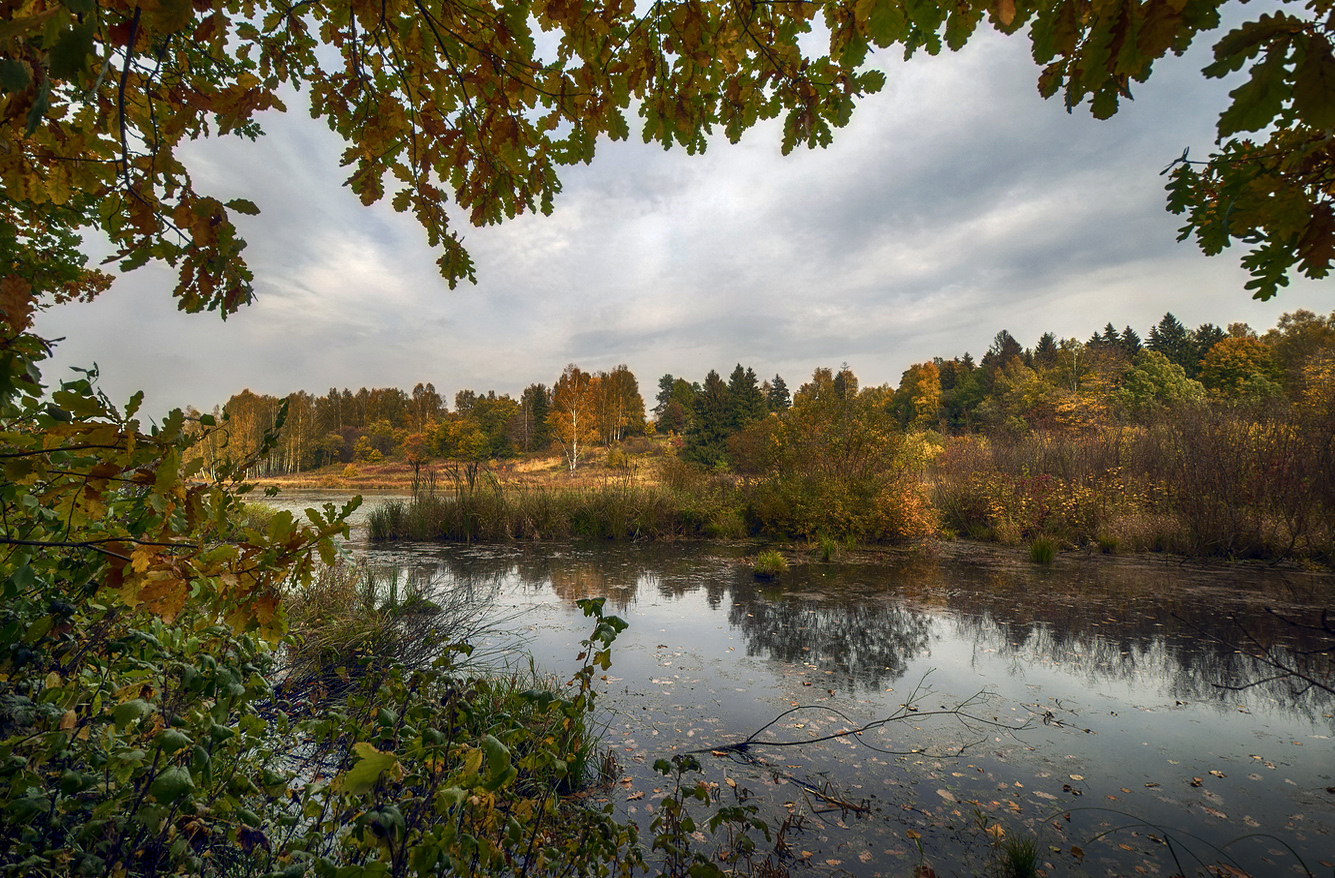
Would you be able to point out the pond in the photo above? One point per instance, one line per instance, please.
(1102, 705)
(1112, 713)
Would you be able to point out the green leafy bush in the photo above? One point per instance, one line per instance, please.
(143, 619)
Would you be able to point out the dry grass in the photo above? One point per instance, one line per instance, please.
(639, 461)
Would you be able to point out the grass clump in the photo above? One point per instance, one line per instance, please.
(1042, 550)
(769, 564)
(353, 620)
(1020, 856)
(826, 548)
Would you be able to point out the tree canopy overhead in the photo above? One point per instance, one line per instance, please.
(483, 101)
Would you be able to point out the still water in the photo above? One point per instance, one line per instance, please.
(1104, 705)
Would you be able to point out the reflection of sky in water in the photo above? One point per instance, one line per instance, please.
(1111, 668)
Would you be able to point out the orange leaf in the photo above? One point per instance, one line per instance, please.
(166, 595)
(16, 302)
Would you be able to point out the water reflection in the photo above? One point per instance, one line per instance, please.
(1140, 651)
(1153, 627)
(867, 644)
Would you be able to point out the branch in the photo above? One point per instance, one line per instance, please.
(120, 103)
(11, 454)
(96, 545)
(906, 711)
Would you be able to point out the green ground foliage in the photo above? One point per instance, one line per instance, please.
(182, 692)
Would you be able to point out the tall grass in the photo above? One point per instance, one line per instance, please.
(482, 509)
(352, 621)
(1227, 481)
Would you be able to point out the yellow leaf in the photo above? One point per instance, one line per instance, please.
(141, 559)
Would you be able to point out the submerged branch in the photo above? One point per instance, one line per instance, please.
(908, 710)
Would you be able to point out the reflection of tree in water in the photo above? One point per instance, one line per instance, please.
(406, 576)
(867, 643)
(576, 579)
(1155, 625)
(1180, 643)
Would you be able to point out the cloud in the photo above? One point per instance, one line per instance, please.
(955, 204)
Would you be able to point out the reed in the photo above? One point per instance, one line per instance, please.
(1223, 480)
(488, 511)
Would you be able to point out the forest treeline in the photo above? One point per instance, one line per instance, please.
(1064, 385)
(375, 424)
(1211, 441)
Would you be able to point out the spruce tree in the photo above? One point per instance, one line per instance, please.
(707, 436)
(778, 398)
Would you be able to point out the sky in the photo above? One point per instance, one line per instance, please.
(957, 203)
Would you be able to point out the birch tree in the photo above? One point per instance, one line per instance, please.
(573, 414)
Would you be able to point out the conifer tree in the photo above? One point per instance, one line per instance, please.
(707, 436)
(1170, 338)
(777, 397)
(744, 396)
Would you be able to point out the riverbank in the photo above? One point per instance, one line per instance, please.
(1123, 493)
(396, 476)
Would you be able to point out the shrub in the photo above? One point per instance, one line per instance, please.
(140, 733)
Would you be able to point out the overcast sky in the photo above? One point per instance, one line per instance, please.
(957, 203)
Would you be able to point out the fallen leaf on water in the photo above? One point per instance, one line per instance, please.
(1214, 812)
(1077, 777)
(1077, 852)
(865, 856)
(1217, 773)
(1196, 781)
(945, 794)
(635, 796)
(1151, 784)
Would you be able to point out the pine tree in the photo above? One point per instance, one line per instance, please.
(745, 399)
(1170, 338)
(1045, 352)
(777, 397)
(707, 436)
(1130, 341)
(664, 393)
